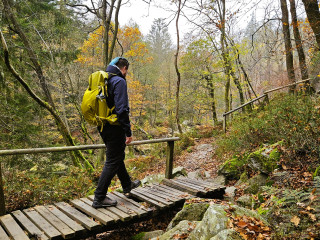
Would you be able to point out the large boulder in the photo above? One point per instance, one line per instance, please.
(265, 159)
(214, 220)
(180, 231)
(232, 168)
(191, 212)
(227, 234)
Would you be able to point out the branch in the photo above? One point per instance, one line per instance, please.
(92, 10)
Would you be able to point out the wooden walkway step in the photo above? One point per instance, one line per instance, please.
(75, 219)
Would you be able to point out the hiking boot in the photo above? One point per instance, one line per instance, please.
(106, 202)
(134, 184)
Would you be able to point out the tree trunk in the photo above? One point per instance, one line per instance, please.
(298, 42)
(106, 24)
(313, 14)
(213, 102)
(116, 26)
(287, 42)
(177, 70)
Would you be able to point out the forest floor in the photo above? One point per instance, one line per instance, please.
(199, 157)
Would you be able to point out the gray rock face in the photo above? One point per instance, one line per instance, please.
(245, 201)
(182, 229)
(213, 221)
(230, 192)
(227, 234)
(193, 212)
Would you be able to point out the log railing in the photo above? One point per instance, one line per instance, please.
(264, 95)
(169, 157)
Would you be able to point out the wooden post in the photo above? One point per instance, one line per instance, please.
(2, 202)
(225, 123)
(169, 162)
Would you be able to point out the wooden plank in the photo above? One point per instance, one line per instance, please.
(128, 205)
(161, 194)
(101, 217)
(190, 186)
(77, 228)
(171, 192)
(123, 216)
(77, 216)
(65, 230)
(152, 196)
(149, 210)
(115, 217)
(175, 191)
(147, 199)
(42, 223)
(29, 226)
(166, 193)
(211, 185)
(193, 185)
(3, 234)
(179, 186)
(12, 228)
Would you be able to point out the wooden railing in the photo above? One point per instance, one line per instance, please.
(264, 95)
(169, 157)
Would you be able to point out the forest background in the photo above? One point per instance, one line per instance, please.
(49, 48)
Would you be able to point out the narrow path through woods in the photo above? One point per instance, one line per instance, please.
(200, 157)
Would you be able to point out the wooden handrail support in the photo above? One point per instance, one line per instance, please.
(265, 94)
(289, 85)
(169, 159)
(238, 108)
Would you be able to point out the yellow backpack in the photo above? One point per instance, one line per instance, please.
(94, 106)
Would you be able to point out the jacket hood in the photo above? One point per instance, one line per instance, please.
(115, 70)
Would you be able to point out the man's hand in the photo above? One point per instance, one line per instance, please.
(128, 140)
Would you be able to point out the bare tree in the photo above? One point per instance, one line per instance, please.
(287, 43)
(177, 68)
(298, 42)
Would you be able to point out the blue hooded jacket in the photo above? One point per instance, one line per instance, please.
(118, 97)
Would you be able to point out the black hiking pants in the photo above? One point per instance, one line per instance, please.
(114, 138)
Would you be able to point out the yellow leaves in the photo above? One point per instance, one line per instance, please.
(295, 220)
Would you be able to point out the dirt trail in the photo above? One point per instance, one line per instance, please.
(200, 158)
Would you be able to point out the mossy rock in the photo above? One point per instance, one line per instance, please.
(232, 168)
(255, 183)
(191, 212)
(265, 159)
(183, 228)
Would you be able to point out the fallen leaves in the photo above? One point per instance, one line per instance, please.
(248, 227)
(295, 220)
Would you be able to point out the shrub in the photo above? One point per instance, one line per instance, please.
(295, 120)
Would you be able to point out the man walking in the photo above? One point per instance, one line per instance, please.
(117, 136)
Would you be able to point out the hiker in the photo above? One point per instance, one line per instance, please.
(116, 136)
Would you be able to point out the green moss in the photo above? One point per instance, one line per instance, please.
(265, 159)
(139, 236)
(233, 168)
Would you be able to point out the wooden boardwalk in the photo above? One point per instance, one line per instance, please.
(78, 219)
